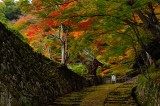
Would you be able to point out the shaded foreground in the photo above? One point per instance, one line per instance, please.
(121, 96)
(92, 96)
(103, 95)
(29, 78)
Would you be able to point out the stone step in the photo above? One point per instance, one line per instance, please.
(117, 104)
(120, 102)
(65, 104)
(121, 96)
(72, 99)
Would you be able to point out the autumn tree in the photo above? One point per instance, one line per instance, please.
(49, 27)
(122, 17)
(63, 16)
(99, 20)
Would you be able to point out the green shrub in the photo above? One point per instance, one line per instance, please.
(78, 68)
(158, 62)
(147, 90)
(151, 68)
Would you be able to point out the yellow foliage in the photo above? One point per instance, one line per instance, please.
(99, 56)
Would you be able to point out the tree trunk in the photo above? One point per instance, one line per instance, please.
(64, 48)
(150, 21)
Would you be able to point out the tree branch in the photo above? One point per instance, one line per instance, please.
(143, 18)
(154, 18)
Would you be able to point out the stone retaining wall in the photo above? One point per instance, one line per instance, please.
(29, 77)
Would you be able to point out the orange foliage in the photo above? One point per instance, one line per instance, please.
(104, 72)
(155, 6)
(113, 42)
(136, 17)
(31, 33)
(120, 57)
(85, 24)
(48, 23)
(36, 2)
(31, 38)
(113, 60)
(40, 9)
(23, 20)
(77, 33)
(103, 51)
(128, 52)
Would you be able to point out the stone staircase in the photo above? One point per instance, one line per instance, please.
(117, 96)
(121, 96)
(73, 99)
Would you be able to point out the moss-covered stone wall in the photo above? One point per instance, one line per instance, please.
(30, 76)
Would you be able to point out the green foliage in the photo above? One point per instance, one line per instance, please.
(23, 5)
(142, 80)
(20, 36)
(128, 62)
(11, 12)
(151, 68)
(78, 68)
(158, 62)
(155, 75)
(2, 15)
(109, 18)
(117, 50)
(148, 91)
(116, 72)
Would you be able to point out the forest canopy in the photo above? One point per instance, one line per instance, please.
(72, 31)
